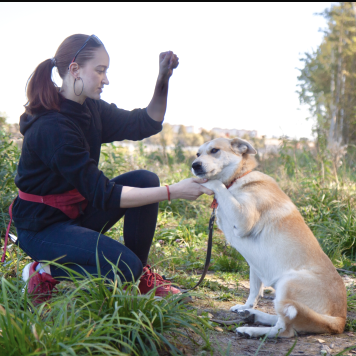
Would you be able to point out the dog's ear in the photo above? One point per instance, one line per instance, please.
(241, 146)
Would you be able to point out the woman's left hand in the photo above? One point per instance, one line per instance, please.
(167, 62)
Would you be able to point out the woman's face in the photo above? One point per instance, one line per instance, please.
(94, 75)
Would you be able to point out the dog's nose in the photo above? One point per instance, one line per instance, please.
(196, 165)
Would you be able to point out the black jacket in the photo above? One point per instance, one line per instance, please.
(61, 152)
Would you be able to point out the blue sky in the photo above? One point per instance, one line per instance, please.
(237, 60)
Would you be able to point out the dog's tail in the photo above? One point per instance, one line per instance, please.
(301, 318)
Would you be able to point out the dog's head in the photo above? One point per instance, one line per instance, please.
(220, 158)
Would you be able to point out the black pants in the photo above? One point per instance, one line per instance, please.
(75, 242)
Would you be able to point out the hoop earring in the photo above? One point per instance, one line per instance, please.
(74, 86)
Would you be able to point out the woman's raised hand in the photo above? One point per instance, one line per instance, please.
(189, 189)
(156, 109)
(167, 62)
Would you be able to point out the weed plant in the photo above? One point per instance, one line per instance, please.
(94, 317)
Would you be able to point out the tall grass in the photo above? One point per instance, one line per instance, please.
(325, 198)
(95, 317)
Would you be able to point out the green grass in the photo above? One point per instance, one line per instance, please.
(93, 318)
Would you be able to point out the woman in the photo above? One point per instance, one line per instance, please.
(65, 202)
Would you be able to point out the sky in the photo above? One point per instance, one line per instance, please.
(238, 61)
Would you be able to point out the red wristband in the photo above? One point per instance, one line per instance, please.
(169, 194)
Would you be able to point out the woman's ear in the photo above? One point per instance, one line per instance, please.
(241, 146)
(73, 69)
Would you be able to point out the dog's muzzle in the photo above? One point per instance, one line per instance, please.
(197, 167)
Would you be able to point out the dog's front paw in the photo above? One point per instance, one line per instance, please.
(214, 185)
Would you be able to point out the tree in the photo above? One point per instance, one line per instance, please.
(327, 79)
(208, 135)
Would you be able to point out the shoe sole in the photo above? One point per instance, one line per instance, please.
(26, 273)
(26, 276)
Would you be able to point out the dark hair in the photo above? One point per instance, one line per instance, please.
(42, 92)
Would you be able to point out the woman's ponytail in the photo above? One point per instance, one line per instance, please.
(41, 91)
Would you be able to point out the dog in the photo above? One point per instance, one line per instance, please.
(261, 222)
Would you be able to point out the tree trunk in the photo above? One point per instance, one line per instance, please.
(334, 132)
(342, 110)
(333, 107)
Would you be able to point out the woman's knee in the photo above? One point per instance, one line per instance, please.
(136, 269)
(128, 271)
(140, 178)
(133, 269)
(148, 179)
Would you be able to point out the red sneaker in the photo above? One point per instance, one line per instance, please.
(150, 280)
(39, 285)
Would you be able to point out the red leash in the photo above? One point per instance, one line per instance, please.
(7, 233)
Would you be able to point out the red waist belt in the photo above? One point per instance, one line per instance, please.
(66, 202)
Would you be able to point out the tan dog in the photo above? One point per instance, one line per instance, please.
(263, 224)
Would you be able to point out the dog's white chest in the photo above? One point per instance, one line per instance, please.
(227, 228)
(252, 248)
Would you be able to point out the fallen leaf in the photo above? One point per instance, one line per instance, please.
(350, 334)
(217, 328)
(320, 341)
(210, 315)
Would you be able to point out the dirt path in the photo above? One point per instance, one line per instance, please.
(321, 344)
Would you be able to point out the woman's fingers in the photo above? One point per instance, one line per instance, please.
(203, 190)
(190, 189)
(200, 180)
(167, 58)
(207, 191)
(173, 64)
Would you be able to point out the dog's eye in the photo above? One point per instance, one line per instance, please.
(214, 150)
(198, 154)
